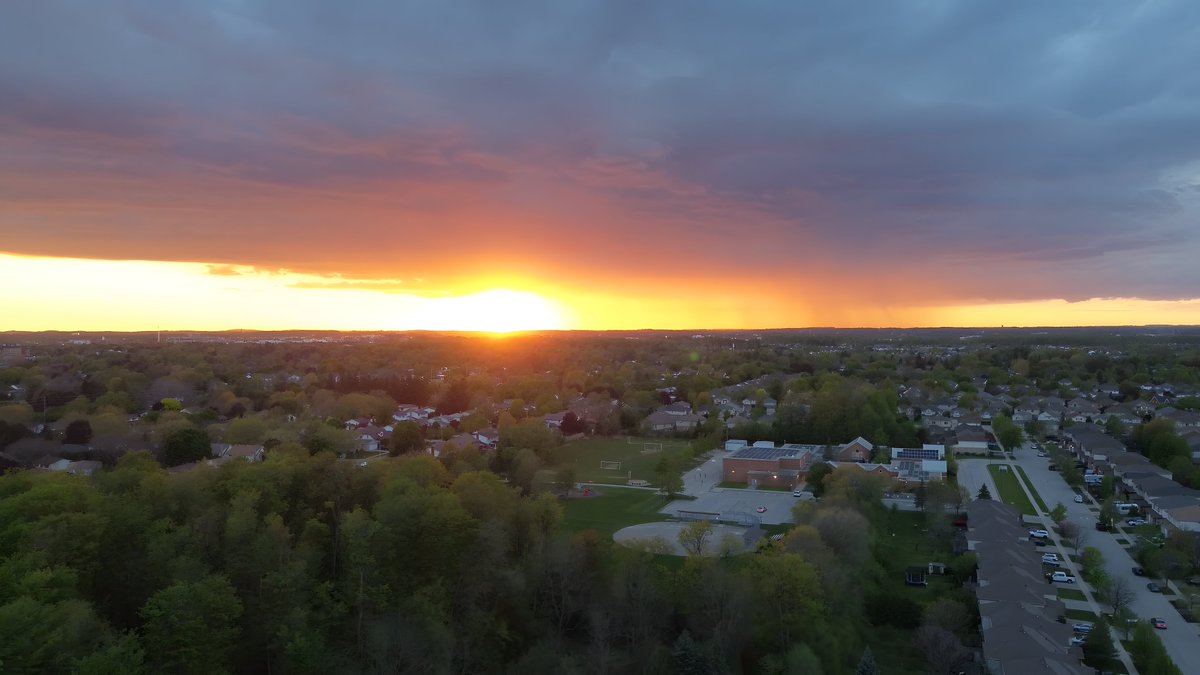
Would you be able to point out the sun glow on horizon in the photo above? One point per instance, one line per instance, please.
(73, 294)
(129, 295)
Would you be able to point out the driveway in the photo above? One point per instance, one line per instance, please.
(972, 473)
(1180, 638)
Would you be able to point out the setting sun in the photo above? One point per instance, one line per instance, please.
(493, 311)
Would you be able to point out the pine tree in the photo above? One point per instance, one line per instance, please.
(866, 665)
(1099, 651)
(984, 493)
(689, 657)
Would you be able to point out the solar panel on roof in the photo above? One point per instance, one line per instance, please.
(917, 453)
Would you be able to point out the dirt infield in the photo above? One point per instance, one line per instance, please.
(666, 535)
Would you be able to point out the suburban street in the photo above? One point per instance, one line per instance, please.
(1180, 638)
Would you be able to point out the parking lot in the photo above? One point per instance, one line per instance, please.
(702, 483)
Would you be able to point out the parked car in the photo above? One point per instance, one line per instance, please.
(1039, 534)
(1103, 527)
(1135, 522)
(1049, 557)
(1137, 571)
(1062, 577)
(1078, 499)
(1041, 454)
(1158, 623)
(1195, 581)
(1077, 640)
(1053, 467)
(1153, 587)
(1081, 627)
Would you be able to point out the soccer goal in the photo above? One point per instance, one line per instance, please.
(650, 448)
(610, 465)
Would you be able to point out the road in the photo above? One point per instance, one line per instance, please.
(1180, 639)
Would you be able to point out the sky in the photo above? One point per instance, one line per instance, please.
(478, 165)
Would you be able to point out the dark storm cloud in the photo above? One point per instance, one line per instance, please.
(1022, 149)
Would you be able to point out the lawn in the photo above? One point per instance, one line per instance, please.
(612, 510)
(1081, 615)
(586, 454)
(1036, 497)
(1010, 490)
(1071, 594)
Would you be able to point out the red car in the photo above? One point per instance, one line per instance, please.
(1159, 624)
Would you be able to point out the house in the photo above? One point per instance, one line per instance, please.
(671, 418)
(970, 440)
(250, 453)
(488, 437)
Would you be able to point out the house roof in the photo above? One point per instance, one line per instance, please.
(770, 454)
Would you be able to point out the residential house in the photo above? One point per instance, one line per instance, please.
(672, 418)
(488, 438)
(226, 451)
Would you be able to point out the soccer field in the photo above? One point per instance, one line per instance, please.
(586, 454)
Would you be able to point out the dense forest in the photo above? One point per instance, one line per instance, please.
(303, 564)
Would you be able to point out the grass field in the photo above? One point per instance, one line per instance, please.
(1080, 615)
(1071, 594)
(587, 453)
(905, 542)
(1010, 490)
(612, 510)
(1036, 497)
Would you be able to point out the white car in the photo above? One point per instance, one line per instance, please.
(1039, 534)
(1049, 557)
(1062, 577)
(1078, 499)
(1041, 454)
(1081, 627)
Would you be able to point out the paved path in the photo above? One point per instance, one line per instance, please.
(1180, 639)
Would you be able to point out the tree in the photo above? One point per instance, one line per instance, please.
(816, 478)
(1007, 432)
(1114, 427)
(1120, 595)
(669, 479)
(1073, 535)
(866, 664)
(694, 536)
(192, 627)
(78, 432)
(1058, 514)
(688, 657)
(1092, 567)
(1148, 653)
(246, 430)
(1099, 651)
(406, 438)
(943, 651)
(984, 493)
(186, 445)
